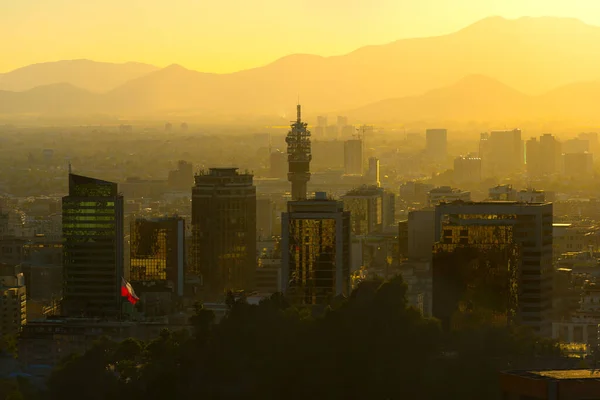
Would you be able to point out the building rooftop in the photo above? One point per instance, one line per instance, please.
(568, 374)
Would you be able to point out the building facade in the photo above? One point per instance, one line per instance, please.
(353, 157)
(13, 301)
(224, 230)
(157, 255)
(93, 248)
(315, 251)
(496, 256)
(436, 143)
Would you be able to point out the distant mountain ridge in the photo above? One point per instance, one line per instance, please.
(86, 74)
(533, 55)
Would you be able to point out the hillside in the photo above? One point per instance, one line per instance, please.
(90, 75)
(532, 55)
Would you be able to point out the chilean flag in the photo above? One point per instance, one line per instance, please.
(127, 291)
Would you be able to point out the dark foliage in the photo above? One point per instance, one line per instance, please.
(371, 346)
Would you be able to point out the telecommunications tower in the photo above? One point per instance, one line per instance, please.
(299, 156)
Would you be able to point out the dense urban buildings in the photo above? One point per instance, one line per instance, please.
(494, 255)
(315, 250)
(93, 248)
(224, 230)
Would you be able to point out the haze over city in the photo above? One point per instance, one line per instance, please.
(290, 200)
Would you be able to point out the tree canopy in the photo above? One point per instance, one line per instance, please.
(372, 345)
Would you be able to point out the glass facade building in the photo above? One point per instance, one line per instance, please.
(494, 256)
(315, 251)
(224, 230)
(92, 248)
(157, 252)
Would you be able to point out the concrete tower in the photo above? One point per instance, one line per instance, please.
(299, 156)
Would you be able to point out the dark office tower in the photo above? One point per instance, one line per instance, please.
(315, 250)
(299, 156)
(494, 257)
(265, 217)
(93, 247)
(224, 230)
(353, 157)
(157, 253)
(436, 143)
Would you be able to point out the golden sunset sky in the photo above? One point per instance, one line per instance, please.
(230, 35)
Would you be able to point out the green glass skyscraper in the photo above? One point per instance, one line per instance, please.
(93, 248)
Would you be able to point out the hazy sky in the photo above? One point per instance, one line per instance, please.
(229, 35)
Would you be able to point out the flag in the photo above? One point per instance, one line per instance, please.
(127, 291)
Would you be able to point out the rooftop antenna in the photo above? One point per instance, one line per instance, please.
(70, 169)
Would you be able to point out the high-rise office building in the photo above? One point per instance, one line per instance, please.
(550, 151)
(365, 205)
(322, 121)
(436, 143)
(224, 230)
(543, 156)
(353, 157)
(373, 172)
(501, 153)
(533, 159)
(157, 255)
(495, 256)
(265, 217)
(578, 165)
(576, 145)
(467, 169)
(315, 250)
(320, 128)
(13, 301)
(92, 216)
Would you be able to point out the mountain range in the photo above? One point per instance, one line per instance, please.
(493, 69)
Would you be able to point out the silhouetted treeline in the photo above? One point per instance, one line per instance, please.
(370, 346)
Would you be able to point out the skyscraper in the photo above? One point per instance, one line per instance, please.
(503, 153)
(224, 230)
(495, 256)
(436, 143)
(543, 156)
(373, 171)
(467, 169)
(158, 253)
(365, 205)
(353, 157)
(299, 156)
(533, 158)
(315, 250)
(93, 247)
